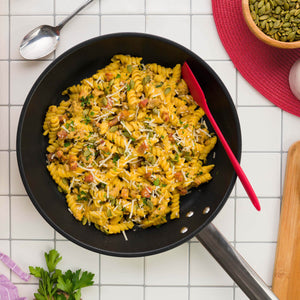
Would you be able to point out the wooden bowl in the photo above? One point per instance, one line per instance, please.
(260, 34)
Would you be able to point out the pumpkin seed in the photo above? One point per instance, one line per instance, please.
(113, 129)
(280, 19)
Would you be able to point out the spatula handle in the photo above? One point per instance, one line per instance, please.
(237, 167)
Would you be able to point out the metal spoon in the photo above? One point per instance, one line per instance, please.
(44, 39)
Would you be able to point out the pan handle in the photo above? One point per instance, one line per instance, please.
(234, 264)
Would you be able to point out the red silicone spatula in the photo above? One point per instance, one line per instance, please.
(199, 97)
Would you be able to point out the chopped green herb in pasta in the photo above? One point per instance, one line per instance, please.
(126, 144)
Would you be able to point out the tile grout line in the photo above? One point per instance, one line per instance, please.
(9, 138)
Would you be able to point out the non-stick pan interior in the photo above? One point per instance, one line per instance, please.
(82, 61)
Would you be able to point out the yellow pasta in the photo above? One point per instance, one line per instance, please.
(126, 144)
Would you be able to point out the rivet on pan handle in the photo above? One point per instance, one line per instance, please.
(234, 264)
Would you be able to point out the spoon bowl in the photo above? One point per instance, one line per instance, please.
(40, 42)
(44, 39)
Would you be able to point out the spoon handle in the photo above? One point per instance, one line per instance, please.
(67, 19)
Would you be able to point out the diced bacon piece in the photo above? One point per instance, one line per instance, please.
(143, 103)
(182, 191)
(62, 134)
(113, 122)
(179, 176)
(125, 193)
(73, 165)
(143, 148)
(59, 153)
(146, 192)
(171, 137)
(148, 176)
(123, 115)
(165, 116)
(62, 119)
(89, 178)
(51, 156)
(109, 76)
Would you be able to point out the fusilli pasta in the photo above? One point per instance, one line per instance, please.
(126, 144)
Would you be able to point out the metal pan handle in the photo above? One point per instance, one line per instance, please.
(234, 264)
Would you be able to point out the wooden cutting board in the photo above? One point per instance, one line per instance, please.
(286, 276)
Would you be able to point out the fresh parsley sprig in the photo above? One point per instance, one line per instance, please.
(54, 285)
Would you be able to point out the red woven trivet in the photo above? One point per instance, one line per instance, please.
(266, 68)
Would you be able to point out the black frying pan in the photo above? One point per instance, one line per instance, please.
(82, 61)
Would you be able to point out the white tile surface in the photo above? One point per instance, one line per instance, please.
(89, 261)
(23, 74)
(291, 132)
(122, 7)
(4, 7)
(31, 7)
(120, 23)
(201, 7)
(263, 134)
(208, 293)
(168, 6)
(227, 73)
(121, 292)
(91, 292)
(72, 35)
(29, 253)
(116, 270)
(27, 290)
(205, 39)
(247, 95)
(4, 128)
(4, 37)
(4, 171)
(68, 6)
(162, 293)
(28, 223)
(4, 217)
(172, 267)
(14, 120)
(254, 226)
(225, 220)
(261, 257)
(176, 28)
(4, 82)
(16, 184)
(263, 172)
(204, 270)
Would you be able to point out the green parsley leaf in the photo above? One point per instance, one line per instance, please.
(116, 157)
(156, 182)
(118, 76)
(52, 259)
(67, 144)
